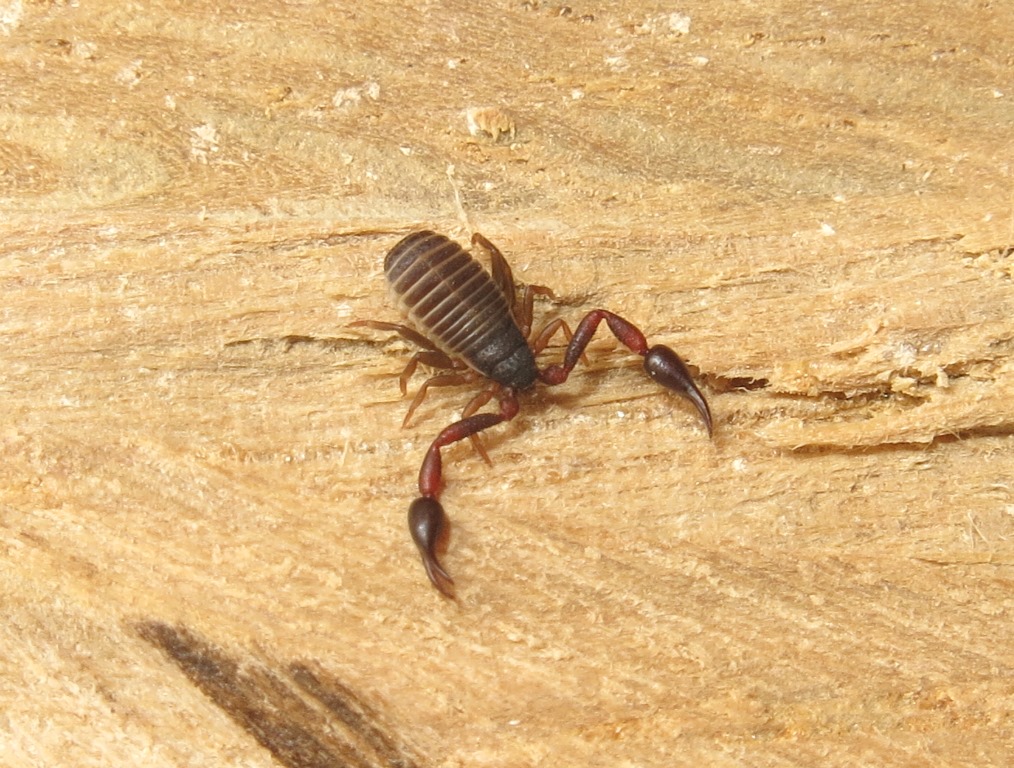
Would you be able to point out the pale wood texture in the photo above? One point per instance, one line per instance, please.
(204, 478)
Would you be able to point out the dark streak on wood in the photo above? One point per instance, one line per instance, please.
(298, 732)
(352, 711)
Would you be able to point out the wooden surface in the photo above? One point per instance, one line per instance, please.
(204, 479)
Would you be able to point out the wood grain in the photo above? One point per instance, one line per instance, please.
(204, 482)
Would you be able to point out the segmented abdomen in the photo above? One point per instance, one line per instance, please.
(454, 302)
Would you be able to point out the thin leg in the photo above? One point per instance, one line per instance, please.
(453, 380)
(440, 380)
(430, 357)
(426, 518)
(473, 407)
(660, 362)
(499, 268)
(407, 333)
(524, 311)
(547, 333)
(504, 278)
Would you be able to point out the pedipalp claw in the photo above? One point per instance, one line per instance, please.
(665, 367)
(427, 522)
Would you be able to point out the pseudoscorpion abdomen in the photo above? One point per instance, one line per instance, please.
(454, 302)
